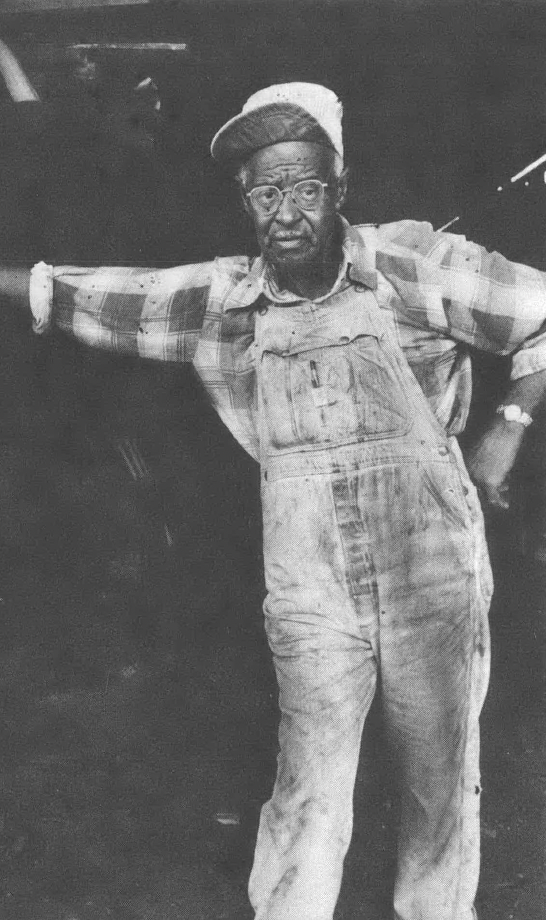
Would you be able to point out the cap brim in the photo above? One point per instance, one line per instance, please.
(243, 135)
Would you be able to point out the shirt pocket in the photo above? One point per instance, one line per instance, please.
(334, 384)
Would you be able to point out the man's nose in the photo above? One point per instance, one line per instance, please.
(288, 212)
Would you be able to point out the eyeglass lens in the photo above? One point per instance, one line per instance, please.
(306, 194)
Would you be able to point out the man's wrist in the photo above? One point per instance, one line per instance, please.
(513, 413)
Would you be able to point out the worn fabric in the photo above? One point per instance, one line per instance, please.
(377, 574)
(443, 293)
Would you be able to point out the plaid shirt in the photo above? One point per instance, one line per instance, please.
(442, 293)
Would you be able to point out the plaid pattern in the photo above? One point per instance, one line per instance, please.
(442, 293)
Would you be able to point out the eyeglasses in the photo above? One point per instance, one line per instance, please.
(307, 195)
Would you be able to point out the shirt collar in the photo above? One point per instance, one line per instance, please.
(358, 264)
(359, 249)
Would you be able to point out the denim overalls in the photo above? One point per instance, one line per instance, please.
(376, 570)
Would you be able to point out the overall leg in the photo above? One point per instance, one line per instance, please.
(326, 669)
(432, 709)
(435, 665)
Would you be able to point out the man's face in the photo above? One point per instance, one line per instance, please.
(292, 237)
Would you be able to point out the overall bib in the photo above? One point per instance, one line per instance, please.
(376, 570)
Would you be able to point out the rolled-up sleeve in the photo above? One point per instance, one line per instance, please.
(149, 313)
(530, 358)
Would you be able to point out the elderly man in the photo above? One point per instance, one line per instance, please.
(338, 358)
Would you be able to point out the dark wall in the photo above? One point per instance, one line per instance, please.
(443, 102)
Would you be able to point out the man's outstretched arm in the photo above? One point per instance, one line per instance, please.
(150, 313)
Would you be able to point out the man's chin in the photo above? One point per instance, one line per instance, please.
(291, 255)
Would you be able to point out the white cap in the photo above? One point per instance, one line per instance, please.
(284, 112)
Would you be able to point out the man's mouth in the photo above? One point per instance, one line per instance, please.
(287, 242)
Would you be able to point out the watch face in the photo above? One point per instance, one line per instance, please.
(512, 413)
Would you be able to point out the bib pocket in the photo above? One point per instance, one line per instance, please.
(345, 390)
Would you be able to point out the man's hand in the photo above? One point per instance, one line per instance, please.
(491, 460)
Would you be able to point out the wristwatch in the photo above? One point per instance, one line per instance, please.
(513, 413)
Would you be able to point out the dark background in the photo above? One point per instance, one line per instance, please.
(139, 701)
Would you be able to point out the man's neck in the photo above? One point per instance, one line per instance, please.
(308, 282)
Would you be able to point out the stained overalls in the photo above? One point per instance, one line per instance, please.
(376, 570)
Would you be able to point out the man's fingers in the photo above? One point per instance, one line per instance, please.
(494, 494)
(497, 496)
(499, 502)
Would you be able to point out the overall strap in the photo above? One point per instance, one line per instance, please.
(386, 329)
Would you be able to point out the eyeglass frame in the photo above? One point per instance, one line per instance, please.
(286, 191)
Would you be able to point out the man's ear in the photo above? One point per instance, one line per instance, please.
(242, 195)
(342, 188)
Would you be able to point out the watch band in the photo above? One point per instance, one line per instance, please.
(513, 413)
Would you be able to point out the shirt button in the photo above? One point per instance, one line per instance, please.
(344, 339)
(443, 451)
(263, 310)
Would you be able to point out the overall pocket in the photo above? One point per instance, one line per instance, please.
(345, 391)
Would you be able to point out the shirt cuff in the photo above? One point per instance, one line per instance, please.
(41, 296)
(530, 359)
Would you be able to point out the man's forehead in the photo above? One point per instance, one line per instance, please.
(290, 155)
